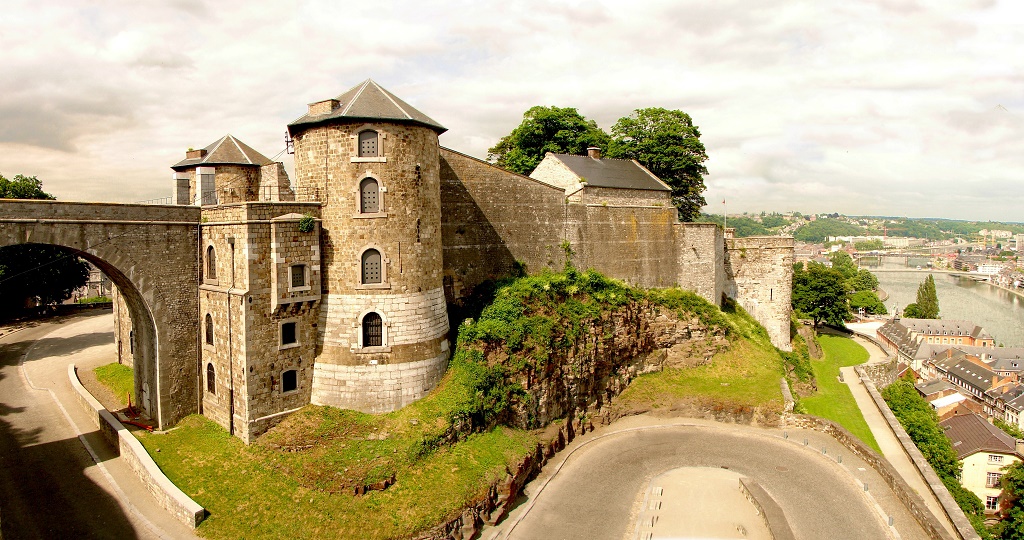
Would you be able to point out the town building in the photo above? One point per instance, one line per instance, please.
(335, 290)
(984, 450)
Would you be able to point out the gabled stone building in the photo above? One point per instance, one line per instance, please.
(335, 291)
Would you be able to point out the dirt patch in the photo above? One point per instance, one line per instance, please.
(100, 390)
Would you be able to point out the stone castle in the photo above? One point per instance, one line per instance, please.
(335, 291)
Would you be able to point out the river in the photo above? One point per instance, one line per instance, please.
(998, 311)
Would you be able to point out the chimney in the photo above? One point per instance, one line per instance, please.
(195, 154)
(594, 152)
(323, 107)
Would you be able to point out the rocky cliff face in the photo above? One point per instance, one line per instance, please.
(588, 367)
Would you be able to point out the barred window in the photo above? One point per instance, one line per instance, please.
(209, 329)
(211, 379)
(373, 330)
(298, 272)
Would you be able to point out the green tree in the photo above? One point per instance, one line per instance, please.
(819, 230)
(927, 305)
(668, 144)
(869, 245)
(743, 226)
(562, 130)
(22, 187)
(1011, 508)
(864, 280)
(820, 292)
(49, 274)
(868, 301)
(843, 263)
(774, 221)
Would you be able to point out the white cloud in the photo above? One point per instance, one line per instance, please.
(886, 107)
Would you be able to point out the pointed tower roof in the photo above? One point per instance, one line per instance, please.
(225, 151)
(366, 101)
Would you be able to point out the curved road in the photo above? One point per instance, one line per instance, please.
(50, 483)
(598, 491)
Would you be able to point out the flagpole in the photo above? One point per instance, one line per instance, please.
(725, 214)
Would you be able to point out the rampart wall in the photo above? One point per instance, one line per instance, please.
(759, 276)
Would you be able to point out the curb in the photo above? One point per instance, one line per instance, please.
(172, 499)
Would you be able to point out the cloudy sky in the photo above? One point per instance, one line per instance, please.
(891, 107)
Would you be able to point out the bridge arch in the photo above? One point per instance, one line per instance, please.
(151, 254)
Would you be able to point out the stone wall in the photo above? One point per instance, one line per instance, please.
(123, 335)
(494, 219)
(700, 256)
(759, 276)
(376, 388)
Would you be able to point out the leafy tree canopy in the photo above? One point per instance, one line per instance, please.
(562, 130)
(820, 292)
(23, 187)
(46, 273)
(819, 230)
(927, 305)
(668, 144)
(843, 262)
(868, 301)
(744, 226)
(869, 245)
(665, 141)
(864, 280)
(774, 221)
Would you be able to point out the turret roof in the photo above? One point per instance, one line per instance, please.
(225, 151)
(369, 101)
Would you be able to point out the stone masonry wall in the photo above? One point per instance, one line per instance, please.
(759, 276)
(123, 335)
(376, 388)
(492, 220)
(700, 256)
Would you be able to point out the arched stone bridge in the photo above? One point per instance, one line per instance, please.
(151, 254)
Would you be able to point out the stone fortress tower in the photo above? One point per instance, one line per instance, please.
(336, 292)
(372, 161)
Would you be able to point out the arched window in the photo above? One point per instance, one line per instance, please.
(369, 196)
(209, 329)
(371, 267)
(368, 143)
(373, 330)
(211, 263)
(211, 379)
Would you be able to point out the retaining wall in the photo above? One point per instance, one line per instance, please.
(953, 511)
(128, 447)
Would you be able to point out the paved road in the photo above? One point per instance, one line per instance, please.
(50, 485)
(599, 491)
(887, 441)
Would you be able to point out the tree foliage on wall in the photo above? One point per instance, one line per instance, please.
(48, 274)
(665, 141)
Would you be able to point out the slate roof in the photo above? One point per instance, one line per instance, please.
(943, 327)
(226, 151)
(971, 434)
(369, 101)
(934, 386)
(612, 173)
(973, 375)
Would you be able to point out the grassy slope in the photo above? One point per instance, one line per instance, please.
(119, 378)
(745, 376)
(834, 400)
(264, 491)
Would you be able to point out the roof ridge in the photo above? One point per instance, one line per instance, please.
(391, 99)
(214, 149)
(240, 149)
(355, 97)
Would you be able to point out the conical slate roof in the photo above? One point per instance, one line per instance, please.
(225, 151)
(369, 101)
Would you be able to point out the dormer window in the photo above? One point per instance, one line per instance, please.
(368, 140)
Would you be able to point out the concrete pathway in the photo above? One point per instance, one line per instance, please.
(887, 441)
(58, 476)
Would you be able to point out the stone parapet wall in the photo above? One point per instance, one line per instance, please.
(632, 243)
(627, 197)
(376, 388)
(759, 276)
(700, 257)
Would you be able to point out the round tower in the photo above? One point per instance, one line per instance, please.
(372, 161)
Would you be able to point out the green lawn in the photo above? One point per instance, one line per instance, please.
(305, 490)
(833, 399)
(119, 378)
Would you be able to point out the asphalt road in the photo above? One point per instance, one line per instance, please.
(599, 491)
(50, 485)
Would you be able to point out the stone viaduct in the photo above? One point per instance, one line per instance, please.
(150, 253)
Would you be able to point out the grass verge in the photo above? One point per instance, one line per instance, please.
(833, 400)
(119, 378)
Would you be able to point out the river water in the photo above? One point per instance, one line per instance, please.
(998, 311)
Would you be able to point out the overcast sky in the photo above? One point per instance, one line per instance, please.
(893, 107)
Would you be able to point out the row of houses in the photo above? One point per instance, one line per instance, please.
(969, 382)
